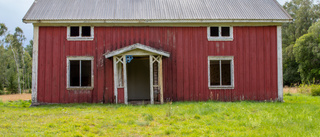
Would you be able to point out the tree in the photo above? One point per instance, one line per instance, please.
(307, 53)
(304, 14)
(29, 48)
(15, 44)
(3, 30)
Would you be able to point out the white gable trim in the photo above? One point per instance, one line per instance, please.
(134, 47)
(279, 61)
(35, 65)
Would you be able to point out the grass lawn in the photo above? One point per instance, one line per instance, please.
(298, 116)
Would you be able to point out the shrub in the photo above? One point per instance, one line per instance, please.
(315, 90)
(2, 92)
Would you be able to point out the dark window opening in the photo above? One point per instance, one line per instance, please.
(86, 31)
(74, 73)
(220, 72)
(214, 31)
(226, 72)
(86, 73)
(214, 72)
(80, 73)
(74, 31)
(225, 31)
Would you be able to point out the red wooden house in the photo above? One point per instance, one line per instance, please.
(120, 51)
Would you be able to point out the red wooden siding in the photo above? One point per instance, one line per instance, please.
(185, 72)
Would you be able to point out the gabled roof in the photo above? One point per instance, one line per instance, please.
(134, 47)
(157, 11)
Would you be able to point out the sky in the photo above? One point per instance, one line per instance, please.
(12, 12)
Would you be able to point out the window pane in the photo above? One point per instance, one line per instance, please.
(86, 31)
(214, 31)
(74, 73)
(226, 74)
(86, 73)
(214, 72)
(225, 31)
(74, 31)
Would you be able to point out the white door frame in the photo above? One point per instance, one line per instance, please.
(118, 78)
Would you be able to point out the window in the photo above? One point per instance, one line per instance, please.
(221, 72)
(220, 33)
(80, 33)
(80, 72)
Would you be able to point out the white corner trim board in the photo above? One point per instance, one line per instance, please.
(35, 64)
(279, 61)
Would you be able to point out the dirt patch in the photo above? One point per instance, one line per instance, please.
(290, 90)
(15, 97)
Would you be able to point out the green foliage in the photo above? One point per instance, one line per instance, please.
(16, 62)
(29, 48)
(2, 92)
(307, 51)
(304, 14)
(315, 90)
(297, 116)
(12, 82)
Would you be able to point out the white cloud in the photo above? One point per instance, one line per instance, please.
(11, 14)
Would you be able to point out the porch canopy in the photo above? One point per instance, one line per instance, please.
(122, 56)
(138, 50)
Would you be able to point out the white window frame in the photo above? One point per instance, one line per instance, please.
(70, 58)
(77, 38)
(220, 38)
(220, 58)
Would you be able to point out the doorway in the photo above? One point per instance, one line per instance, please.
(138, 75)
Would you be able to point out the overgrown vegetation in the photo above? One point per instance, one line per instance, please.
(16, 61)
(301, 42)
(297, 116)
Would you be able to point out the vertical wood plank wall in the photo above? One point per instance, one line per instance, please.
(185, 74)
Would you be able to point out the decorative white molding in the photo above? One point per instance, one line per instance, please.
(134, 47)
(80, 38)
(161, 21)
(35, 64)
(279, 62)
(231, 69)
(220, 38)
(91, 58)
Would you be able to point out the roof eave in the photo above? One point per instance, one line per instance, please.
(164, 21)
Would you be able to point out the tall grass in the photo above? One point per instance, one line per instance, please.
(297, 116)
(309, 89)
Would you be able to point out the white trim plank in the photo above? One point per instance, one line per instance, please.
(125, 79)
(134, 47)
(35, 65)
(274, 21)
(115, 79)
(151, 78)
(80, 58)
(220, 58)
(279, 62)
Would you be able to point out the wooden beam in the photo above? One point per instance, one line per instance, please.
(151, 79)
(160, 79)
(115, 78)
(125, 80)
(279, 61)
(35, 64)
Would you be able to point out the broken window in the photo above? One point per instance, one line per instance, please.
(214, 31)
(220, 71)
(86, 31)
(220, 33)
(80, 72)
(74, 31)
(80, 33)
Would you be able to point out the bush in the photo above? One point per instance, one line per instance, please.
(2, 92)
(315, 90)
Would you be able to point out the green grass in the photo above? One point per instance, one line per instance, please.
(298, 116)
